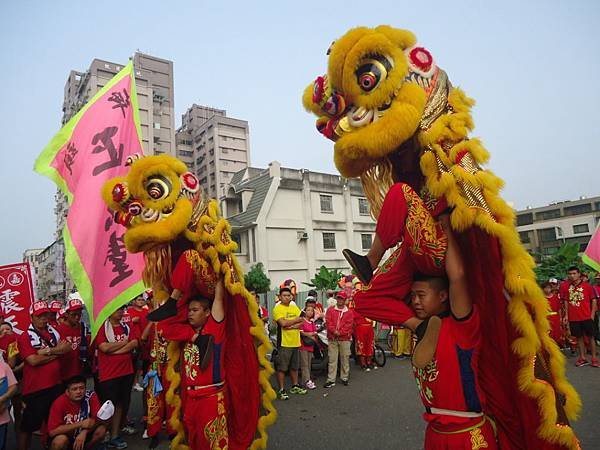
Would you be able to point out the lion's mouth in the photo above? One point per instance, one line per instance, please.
(352, 119)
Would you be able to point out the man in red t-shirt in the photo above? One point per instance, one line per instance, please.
(115, 342)
(72, 422)
(581, 309)
(205, 405)
(41, 348)
(138, 312)
(447, 379)
(72, 330)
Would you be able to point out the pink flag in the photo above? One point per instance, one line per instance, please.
(591, 256)
(90, 149)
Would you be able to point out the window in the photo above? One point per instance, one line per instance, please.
(582, 228)
(157, 125)
(547, 235)
(524, 235)
(326, 204)
(578, 209)
(597, 206)
(224, 150)
(363, 207)
(366, 241)
(237, 238)
(525, 219)
(328, 241)
(545, 215)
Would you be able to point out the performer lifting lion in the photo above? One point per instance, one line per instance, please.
(191, 268)
(399, 125)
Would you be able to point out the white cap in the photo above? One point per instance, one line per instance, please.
(553, 280)
(106, 411)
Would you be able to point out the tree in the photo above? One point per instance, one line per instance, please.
(256, 279)
(325, 279)
(556, 266)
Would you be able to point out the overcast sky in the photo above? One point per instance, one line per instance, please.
(533, 68)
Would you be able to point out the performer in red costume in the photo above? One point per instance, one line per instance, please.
(157, 385)
(404, 219)
(205, 406)
(456, 418)
(554, 318)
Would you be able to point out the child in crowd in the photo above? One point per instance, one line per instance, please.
(308, 335)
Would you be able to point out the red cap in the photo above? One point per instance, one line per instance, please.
(55, 306)
(341, 294)
(74, 305)
(38, 308)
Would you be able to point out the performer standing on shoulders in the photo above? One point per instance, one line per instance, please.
(455, 416)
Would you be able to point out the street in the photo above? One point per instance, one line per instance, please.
(379, 410)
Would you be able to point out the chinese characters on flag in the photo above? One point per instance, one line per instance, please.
(16, 295)
(90, 149)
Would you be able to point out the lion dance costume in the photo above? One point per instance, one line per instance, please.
(400, 126)
(168, 219)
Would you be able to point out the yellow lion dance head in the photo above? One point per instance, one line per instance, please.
(157, 201)
(380, 88)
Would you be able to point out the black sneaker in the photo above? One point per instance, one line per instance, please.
(168, 309)
(345, 382)
(360, 264)
(329, 384)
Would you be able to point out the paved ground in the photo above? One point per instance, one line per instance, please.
(379, 410)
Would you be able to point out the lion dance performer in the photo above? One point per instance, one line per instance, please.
(402, 128)
(187, 250)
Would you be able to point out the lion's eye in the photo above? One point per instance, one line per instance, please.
(372, 71)
(158, 187)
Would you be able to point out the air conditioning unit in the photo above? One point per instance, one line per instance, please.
(302, 235)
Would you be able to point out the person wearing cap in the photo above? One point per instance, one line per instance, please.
(339, 322)
(72, 423)
(41, 348)
(55, 307)
(115, 342)
(75, 333)
(287, 316)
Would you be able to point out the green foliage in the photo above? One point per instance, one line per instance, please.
(555, 266)
(256, 279)
(325, 279)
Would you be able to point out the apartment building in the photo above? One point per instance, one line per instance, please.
(295, 220)
(544, 229)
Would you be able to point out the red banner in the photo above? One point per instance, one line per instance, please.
(16, 295)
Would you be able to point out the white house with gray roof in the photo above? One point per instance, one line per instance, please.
(294, 220)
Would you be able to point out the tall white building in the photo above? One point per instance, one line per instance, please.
(294, 221)
(213, 146)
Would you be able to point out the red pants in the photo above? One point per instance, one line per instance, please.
(556, 331)
(205, 420)
(364, 339)
(472, 438)
(403, 218)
